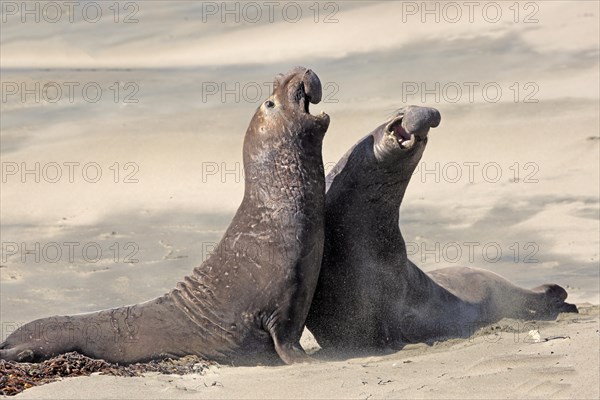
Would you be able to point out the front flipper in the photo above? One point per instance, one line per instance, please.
(291, 353)
(287, 343)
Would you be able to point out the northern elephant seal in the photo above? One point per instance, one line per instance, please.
(369, 293)
(251, 296)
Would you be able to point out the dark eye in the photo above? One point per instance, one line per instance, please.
(269, 104)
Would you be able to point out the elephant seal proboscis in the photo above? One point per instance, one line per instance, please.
(240, 305)
(370, 295)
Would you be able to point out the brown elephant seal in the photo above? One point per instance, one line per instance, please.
(369, 294)
(250, 298)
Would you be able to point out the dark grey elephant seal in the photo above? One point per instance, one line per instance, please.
(369, 294)
(253, 294)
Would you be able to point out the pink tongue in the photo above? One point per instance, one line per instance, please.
(400, 133)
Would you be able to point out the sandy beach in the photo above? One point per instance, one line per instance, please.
(514, 166)
(511, 359)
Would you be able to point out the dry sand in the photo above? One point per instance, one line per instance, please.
(174, 214)
(510, 359)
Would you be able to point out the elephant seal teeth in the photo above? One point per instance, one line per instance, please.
(407, 144)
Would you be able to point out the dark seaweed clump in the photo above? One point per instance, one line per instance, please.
(16, 377)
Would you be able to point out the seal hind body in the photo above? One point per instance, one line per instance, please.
(249, 300)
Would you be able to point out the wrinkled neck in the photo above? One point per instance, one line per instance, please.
(361, 181)
(286, 172)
